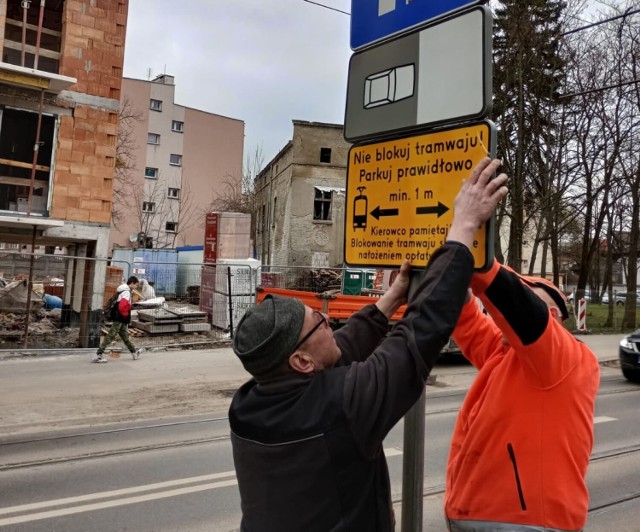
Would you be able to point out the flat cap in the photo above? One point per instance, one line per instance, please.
(268, 332)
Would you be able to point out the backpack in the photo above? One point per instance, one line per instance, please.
(111, 308)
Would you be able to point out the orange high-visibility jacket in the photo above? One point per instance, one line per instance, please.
(522, 440)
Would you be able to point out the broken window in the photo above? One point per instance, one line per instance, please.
(17, 139)
(50, 35)
(322, 204)
(325, 155)
(171, 227)
(275, 210)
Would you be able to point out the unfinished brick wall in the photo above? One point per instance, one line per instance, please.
(85, 165)
(93, 53)
(93, 45)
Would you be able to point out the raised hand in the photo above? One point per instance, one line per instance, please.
(477, 200)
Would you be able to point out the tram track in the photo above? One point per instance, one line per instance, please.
(92, 435)
(164, 441)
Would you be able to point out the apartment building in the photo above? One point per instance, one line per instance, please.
(301, 193)
(60, 83)
(180, 159)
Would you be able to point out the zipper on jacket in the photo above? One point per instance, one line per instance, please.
(512, 456)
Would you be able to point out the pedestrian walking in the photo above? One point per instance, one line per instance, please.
(121, 316)
(307, 429)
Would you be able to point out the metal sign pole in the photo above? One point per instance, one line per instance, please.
(413, 451)
(413, 467)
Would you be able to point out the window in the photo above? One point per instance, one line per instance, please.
(148, 206)
(175, 160)
(325, 155)
(273, 214)
(177, 126)
(322, 204)
(151, 173)
(19, 19)
(173, 193)
(155, 105)
(153, 138)
(171, 227)
(17, 131)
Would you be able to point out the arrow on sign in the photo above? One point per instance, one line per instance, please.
(439, 210)
(377, 212)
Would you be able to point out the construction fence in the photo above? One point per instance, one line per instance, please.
(176, 304)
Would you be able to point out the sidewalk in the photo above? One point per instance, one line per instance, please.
(64, 390)
(68, 391)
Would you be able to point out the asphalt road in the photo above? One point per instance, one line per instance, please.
(178, 475)
(143, 445)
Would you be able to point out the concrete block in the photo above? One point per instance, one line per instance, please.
(195, 327)
(153, 328)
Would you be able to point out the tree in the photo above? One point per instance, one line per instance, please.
(123, 180)
(162, 219)
(527, 78)
(238, 194)
(604, 130)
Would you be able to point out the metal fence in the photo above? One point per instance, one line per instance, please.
(64, 308)
(175, 305)
(350, 281)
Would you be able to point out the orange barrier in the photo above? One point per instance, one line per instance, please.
(342, 307)
(336, 306)
(310, 299)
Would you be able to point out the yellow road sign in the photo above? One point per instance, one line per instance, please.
(400, 193)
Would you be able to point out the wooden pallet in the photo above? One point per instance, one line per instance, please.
(136, 333)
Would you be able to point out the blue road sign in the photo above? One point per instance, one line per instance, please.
(374, 20)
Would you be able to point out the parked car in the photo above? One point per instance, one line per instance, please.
(619, 298)
(629, 353)
(586, 296)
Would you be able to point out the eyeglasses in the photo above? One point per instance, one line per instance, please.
(323, 320)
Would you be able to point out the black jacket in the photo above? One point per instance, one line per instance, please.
(308, 450)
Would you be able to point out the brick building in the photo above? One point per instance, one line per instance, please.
(301, 194)
(60, 88)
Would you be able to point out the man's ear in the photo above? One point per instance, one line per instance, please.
(301, 362)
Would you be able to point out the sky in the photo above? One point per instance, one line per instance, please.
(266, 62)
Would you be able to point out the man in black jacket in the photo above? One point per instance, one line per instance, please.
(307, 430)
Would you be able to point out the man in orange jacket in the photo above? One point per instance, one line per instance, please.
(521, 444)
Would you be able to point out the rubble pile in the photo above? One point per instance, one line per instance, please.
(154, 321)
(44, 330)
(321, 281)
